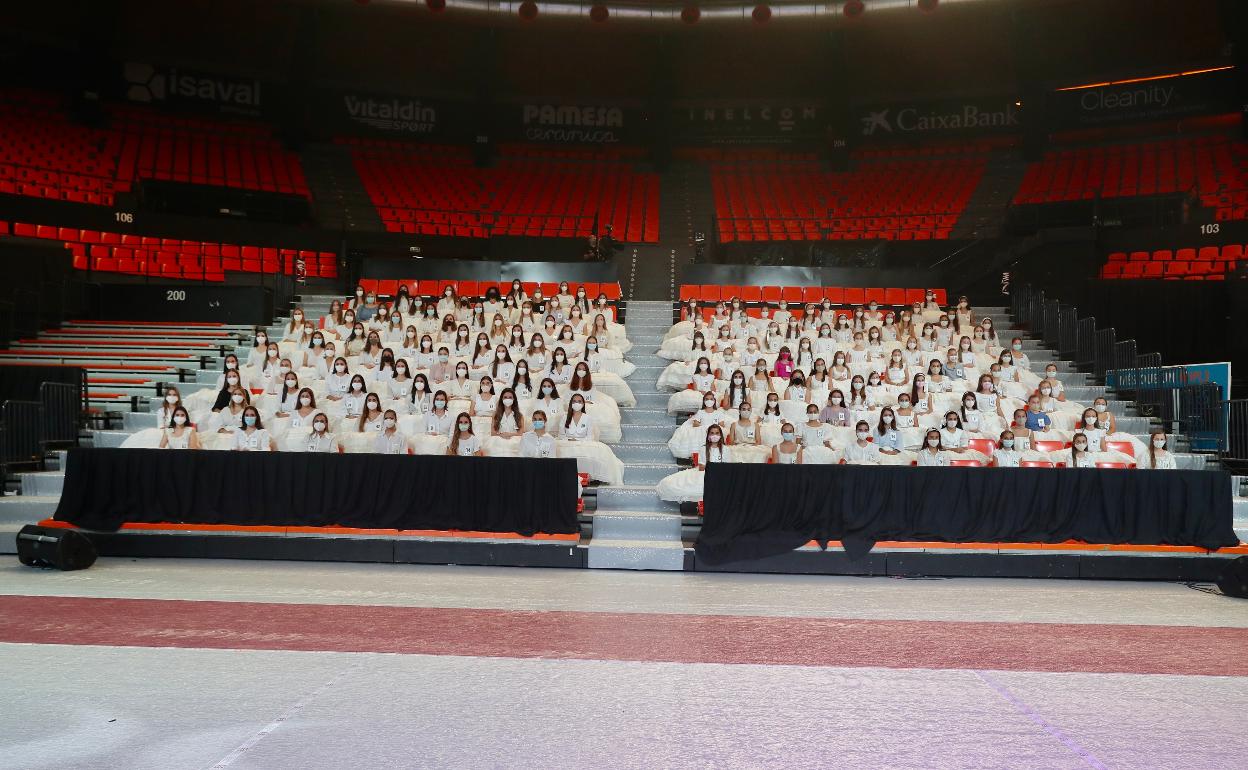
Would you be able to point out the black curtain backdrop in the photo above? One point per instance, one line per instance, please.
(21, 382)
(105, 488)
(754, 511)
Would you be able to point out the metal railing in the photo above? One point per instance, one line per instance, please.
(19, 434)
(61, 407)
(1237, 430)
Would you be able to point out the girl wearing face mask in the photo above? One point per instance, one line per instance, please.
(507, 422)
(429, 322)
(936, 381)
(1057, 389)
(272, 362)
(517, 293)
(334, 316)
(560, 370)
(859, 399)
(703, 378)
(462, 346)
(1080, 453)
(903, 416)
(347, 326)
(771, 411)
(813, 433)
(251, 435)
(954, 369)
(385, 366)
(485, 400)
(990, 335)
(357, 340)
(760, 382)
(1023, 435)
(549, 400)
(835, 413)
(461, 385)
(805, 355)
(320, 439)
(259, 349)
(965, 353)
(438, 420)
(390, 441)
(510, 311)
(784, 364)
(482, 353)
(737, 393)
(788, 451)
(501, 367)
(932, 454)
(464, 443)
(400, 386)
(1158, 457)
(288, 395)
(687, 485)
(746, 430)
(577, 425)
(442, 371)
(1092, 430)
(353, 403)
(516, 345)
(304, 409)
(582, 382)
(293, 331)
(971, 417)
(944, 331)
(1006, 455)
(921, 401)
(338, 381)
(1009, 372)
(420, 400)
(179, 434)
(402, 300)
(520, 381)
(538, 442)
(796, 390)
(423, 357)
(1020, 358)
(1105, 419)
(887, 434)
(380, 320)
(896, 373)
(171, 401)
(952, 436)
(861, 451)
(371, 415)
(987, 400)
(537, 355)
(963, 316)
(229, 418)
(498, 330)
(979, 344)
(448, 304)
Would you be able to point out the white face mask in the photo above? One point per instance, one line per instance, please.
(292, 383)
(708, 403)
(933, 442)
(508, 401)
(357, 386)
(306, 401)
(374, 405)
(237, 398)
(171, 399)
(272, 354)
(388, 422)
(340, 368)
(1089, 420)
(577, 406)
(1099, 407)
(1081, 446)
(181, 420)
(319, 427)
(1159, 442)
(232, 380)
(499, 356)
(888, 419)
(418, 387)
(1045, 391)
(283, 369)
(951, 423)
(862, 435)
(712, 438)
(1007, 443)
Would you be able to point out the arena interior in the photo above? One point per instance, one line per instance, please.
(470, 383)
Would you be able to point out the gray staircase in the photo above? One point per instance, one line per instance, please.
(633, 528)
(341, 201)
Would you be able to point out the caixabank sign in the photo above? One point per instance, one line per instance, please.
(1143, 99)
(178, 86)
(919, 119)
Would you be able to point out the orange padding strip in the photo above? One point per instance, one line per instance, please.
(461, 533)
(1070, 545)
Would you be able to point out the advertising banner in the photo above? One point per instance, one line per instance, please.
(748, 123)
(184, 88)
(392, 115)
(1142, 101)
(942, 118)
(569, 123)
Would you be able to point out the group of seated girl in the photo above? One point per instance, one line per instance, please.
(350, 377)
(925, 387)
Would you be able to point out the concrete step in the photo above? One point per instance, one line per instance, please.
(44, 484)
(16, 511)
(633, 498)
(643, 474)
(653, 453)
(136, 421)
(636, 554)
(634, 416)
(636, 525)
(649, 434)
(110, 438)
(649, 400)
(1240, 522)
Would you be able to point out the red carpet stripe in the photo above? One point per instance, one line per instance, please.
(626, 636)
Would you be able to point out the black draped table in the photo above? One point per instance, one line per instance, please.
(105, 488)
(755, 511)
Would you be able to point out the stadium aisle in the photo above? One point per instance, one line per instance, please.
(165, 664)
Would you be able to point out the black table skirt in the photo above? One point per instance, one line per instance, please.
(105, 488)
(754, 511)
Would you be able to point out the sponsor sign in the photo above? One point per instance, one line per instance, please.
(397, 115)
(939, 118)
(1205, 93)
(178, 86)
(568, 123)
(749, 123)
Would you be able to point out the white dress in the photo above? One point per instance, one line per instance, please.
(255, 441)
(390, 443)
(178, 442)
(533, 445)
(687, 485)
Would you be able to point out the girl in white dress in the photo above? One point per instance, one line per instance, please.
(371, 416)
(400, 386)
(538, 442)
(461, 386)
(172, 400)
(251, 435)
(300, 416)
(1090, 427)
(537, 355)
(502, 369)
(508, 421)
(482, 353)
(576, 425)
(421, 398)
(688, 485)
(1158, 458)
(1006, 455)
(353, 402)
(230, 417)
(549, 400)
(520, 381)
(464, 443)
(737, 393)
(338, 382)
(320, 439)
(485, 399)
(787, 451)
(288, 396)
(389, 440)
(180, 434)
(438, 420)
(861, 451)
(582, 382)
(1080, 453)
(952, 436)
(932, 454)
(560, 370)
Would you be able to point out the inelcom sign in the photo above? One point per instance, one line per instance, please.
(1171, 97)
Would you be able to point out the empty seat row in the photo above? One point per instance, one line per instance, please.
(1209, 263)
(111, 252)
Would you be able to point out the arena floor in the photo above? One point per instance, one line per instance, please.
(202, 664)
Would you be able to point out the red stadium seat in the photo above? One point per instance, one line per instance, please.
(793, 294)
(1043, 445)
(895, 297)
(752, 293)
(1035, 464)
(771, 294)
(1122, 447)
(874, 295)
(689, 291)
(966, 464)
(1106, 464)
(709, 293)
(985, 446)
(855, 296)
(812, 294)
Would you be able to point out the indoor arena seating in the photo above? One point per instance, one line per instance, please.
(531, 191)
(172, 258)
(387, 288)
(1213, 167)
(45, 154)
(1206, 263)
(841, 297)
(914, 194)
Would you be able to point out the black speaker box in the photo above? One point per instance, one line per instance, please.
(65, 549)
(1234, 579)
